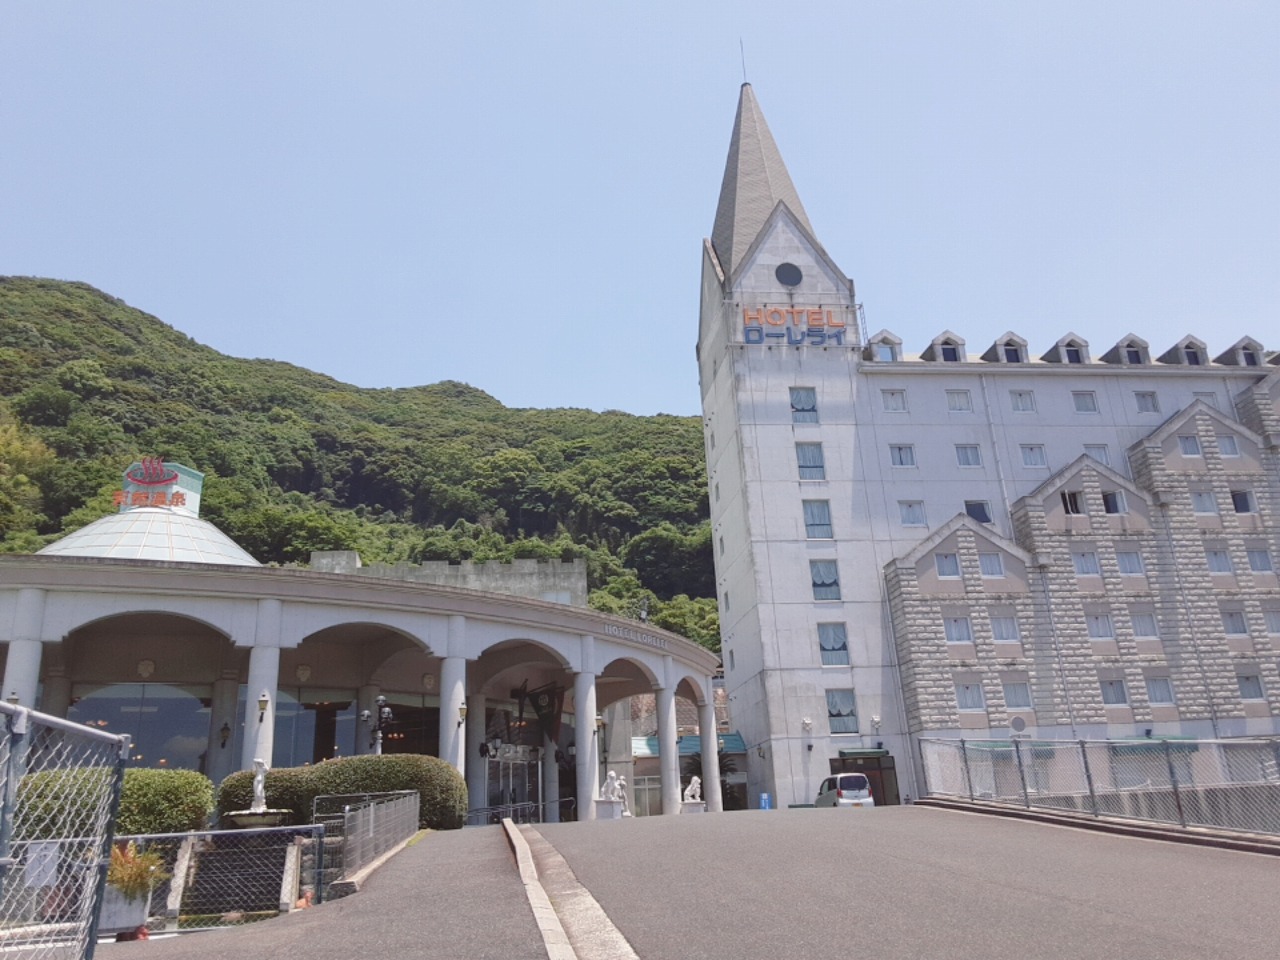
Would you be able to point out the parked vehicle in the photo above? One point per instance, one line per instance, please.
(845, 790)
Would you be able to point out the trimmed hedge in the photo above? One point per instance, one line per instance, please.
(164, 801)
(441, 788)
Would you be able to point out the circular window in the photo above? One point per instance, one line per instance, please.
(788, 274)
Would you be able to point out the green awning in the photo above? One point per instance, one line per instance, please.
(848, 753)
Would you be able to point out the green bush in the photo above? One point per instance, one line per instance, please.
(442, 790)
(164, 801)
(61, 803)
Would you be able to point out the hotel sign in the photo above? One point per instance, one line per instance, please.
(635, 636)
(793, 326)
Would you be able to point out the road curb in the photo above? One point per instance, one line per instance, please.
(349, 885)
(554, 939)
(1196, 836)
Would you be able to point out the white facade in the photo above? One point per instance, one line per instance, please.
(907, 445)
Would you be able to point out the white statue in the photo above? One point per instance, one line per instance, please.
(259, 804)
(622, 795)
(610, 789)
(693, 792)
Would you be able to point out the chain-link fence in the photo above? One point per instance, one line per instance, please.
(1231, 784)
(361, 827)
(60, 794)
(228, 878)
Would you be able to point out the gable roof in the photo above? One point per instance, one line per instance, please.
(1072, 469)
(958, 522)
(1179, 419)
(782, 212)
(755, 181)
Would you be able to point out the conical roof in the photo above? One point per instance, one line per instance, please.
(755, 180)
(152, 533)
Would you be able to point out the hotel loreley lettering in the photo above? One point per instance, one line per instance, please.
(816, 326)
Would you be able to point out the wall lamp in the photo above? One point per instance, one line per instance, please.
(12, 698)
(224, 734)
(264, 701)
(807, 723)
(462, 714)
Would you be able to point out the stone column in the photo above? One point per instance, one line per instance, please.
(668, 749)
(550, 782)
(710, 753)
(584, 727)
(453, 694)
(219, 760)
(22, 667)
(264, 675)
(55, 699)
(366, 699)
(477, 768)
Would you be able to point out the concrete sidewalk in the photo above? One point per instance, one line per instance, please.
(454, 895)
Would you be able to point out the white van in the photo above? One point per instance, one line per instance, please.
(845, 790)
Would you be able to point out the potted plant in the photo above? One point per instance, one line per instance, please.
(131, 877)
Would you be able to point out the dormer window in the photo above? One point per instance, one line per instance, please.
(950, 352)
(1074, 354)
(886, 352)
(1249, 357)
(1132, 354)
(1012, 353)
(1192, 355)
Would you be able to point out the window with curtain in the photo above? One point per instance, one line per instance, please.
(1114, 693)
(969, 696)
(1159, 690)
(902, 455)
(1086, 401)
(1033, 455)
(1086, 564)
(1022, 401)
(804, 405)
(1005, 630)
(825, 578)
(1227, 445)
(1219, 561)
(1100, 626)
(842, 711)
(968, 455)
(894, 401)
(1250, 685)
(959, 401)
(1130, 563)
(991, 564)
(947, 564)
(812, 465)
(1203, 501)
(1017, 695)
(1273, 620)
(1233, 623)
(833, 642)
(1099, 452)
(957, 629)
(1189, 446)
(911, 512)
(817, 519)
(1144, 624)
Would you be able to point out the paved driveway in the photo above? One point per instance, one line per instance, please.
(909, 882)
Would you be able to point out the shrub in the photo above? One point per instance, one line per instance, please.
(442, 790)
(164, 801)
(60, 803)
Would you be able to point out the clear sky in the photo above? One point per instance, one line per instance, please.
(514, 194)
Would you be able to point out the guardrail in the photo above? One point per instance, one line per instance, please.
(1227, 784)
(530, 812)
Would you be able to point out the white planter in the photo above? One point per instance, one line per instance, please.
(120, 915)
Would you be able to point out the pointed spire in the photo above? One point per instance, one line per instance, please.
(755, 179)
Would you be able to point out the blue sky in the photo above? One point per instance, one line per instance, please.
(514, 195)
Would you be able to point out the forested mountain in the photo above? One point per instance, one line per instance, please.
(296, 461)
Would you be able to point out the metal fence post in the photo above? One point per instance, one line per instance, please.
(1275, 753)
(968, 777)
(17, 724)
(1088, 778)
(1022, 774)
(108, 838)
(1173, 780)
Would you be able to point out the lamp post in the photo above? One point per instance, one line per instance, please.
(380, 718)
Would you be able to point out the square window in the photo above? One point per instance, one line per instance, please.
(1233, 623)
(950, 353)
(1005, 630)
(1075, 355)
(957, 629)
(894, 401)
(1100, 626)
(1022, 401)
(1017, 695)
(1132, 355)
(959, 401)
(1072, 502)
(1033, 455)
(825, 577)
(991, 564)
(1250, 685)
(1189, 446)
(1202, 501)
(1113, 501)
(1130, 563)
(1260, 561)
(1144, 625)
(980, 510)
(817, 519)
(1273, 620)
(1228, 446)
(968, 455)
(1114, 693)
(912, 513)
(1147, 402)
(1159, 690)
(947, 565)
(804, 405)
(1219, 561)
(842, 711)
(969, 697)
(1012, 353)
(809, 457)
(902, 455)
(1086, 401)
(833, 644)
(1242, 501)
(886, 352)
(1086, 564)
(1099, 452)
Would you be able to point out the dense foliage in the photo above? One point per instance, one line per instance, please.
(164, 801)
(296, 461)
(441, 788)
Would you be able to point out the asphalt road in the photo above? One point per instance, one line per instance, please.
(908, 882)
